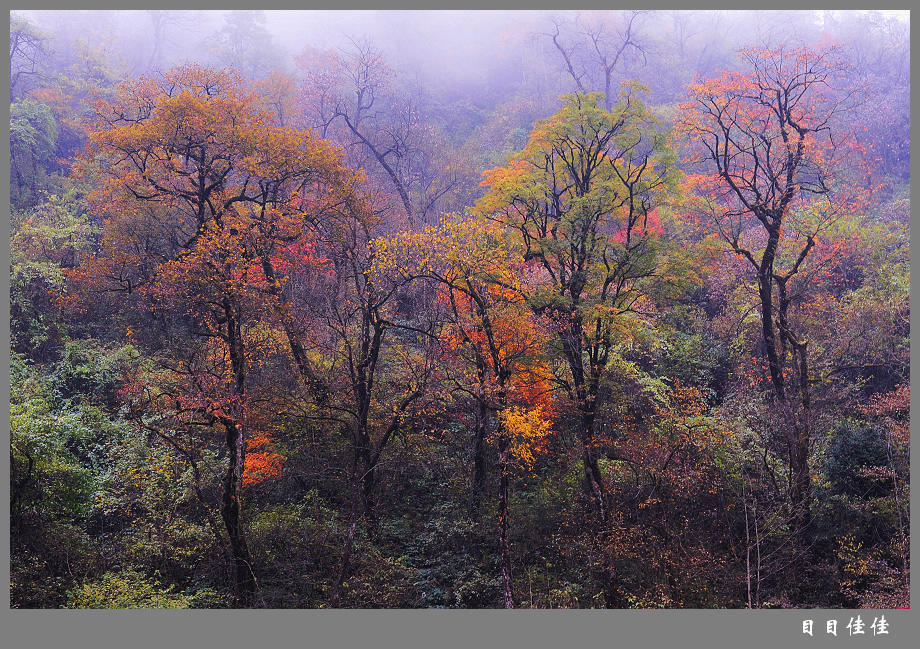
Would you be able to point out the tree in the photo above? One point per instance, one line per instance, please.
(45, 243)
(892, 410)
(773, 181)
(28, 53)
(581, 198)
(363, 335)
(493, 337)
(373, 354)
(599, 46)
(357, 90)
(245, 43)
(204, 203)
(278, 92)
(674, 528)
(33, 135)
(356, 99)
(163, 22)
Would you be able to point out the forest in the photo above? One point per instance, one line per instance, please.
(459, 309)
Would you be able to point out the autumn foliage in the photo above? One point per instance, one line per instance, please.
(329, 338)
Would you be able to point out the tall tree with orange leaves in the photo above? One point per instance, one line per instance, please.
(207, 206)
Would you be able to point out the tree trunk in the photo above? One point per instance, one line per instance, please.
(797, 431)
(366, 476)
(593, 483)
(587, 404)
(904, 545)
(594, 479)
(801, 483)
(765, 291)
(244, 585)
(503, 541)
(757, 548)
(801, 495)
(611, 596)
(479, 462)
(369, 497)
(318, 388)
(348, 548)
(747, 541)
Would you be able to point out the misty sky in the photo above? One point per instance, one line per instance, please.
(459, 45)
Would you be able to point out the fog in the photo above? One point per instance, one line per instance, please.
(450, 46)
(475, 74)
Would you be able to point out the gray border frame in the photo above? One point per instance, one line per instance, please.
(421, 628)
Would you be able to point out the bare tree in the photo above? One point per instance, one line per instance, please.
(162, 23)
(353, 97)
(595, 49)
(28, 50)
(357, 93)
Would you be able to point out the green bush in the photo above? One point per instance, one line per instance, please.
(855, 446)
(131, 589)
